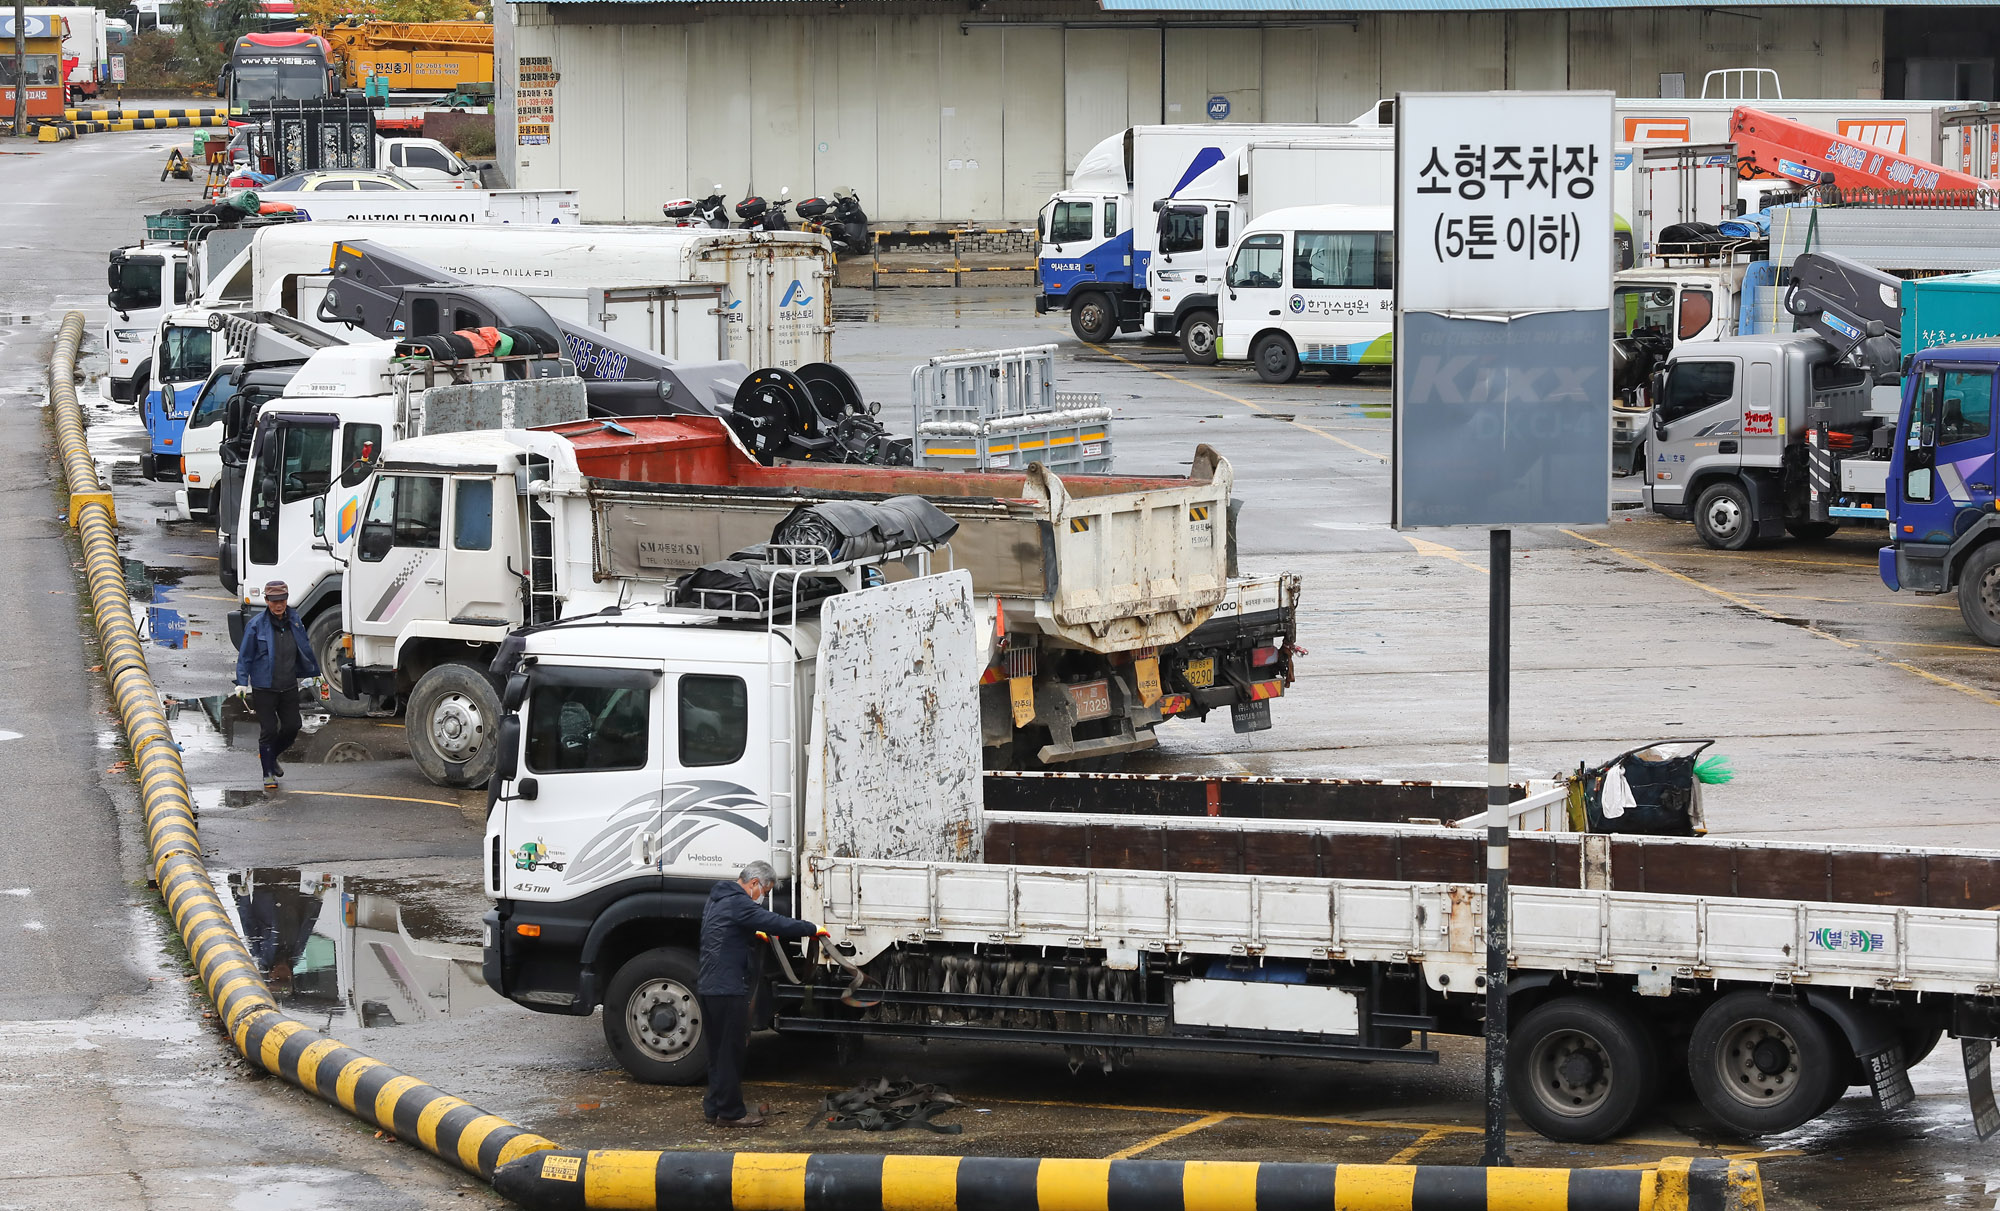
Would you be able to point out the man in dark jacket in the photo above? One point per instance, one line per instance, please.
(274, 655)
(730, 964)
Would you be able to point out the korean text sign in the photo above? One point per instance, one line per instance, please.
(1504, 201)
(1504, 256)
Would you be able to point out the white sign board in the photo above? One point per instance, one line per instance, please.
(1504, 201)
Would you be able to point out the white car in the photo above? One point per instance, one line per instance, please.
(336, 180)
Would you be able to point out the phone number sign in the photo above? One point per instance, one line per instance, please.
(1504, 201)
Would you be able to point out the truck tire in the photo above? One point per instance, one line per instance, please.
(1276, 358)
(452, 721)
(1581, 1070)
(1198, 338)
(1764, 1065)
(324, 635)
(1093, 318)
(1722, 517)
(1812, 531)
(652, 1019)
(1979, 593)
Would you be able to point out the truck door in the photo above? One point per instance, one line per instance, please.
(1698, 423)
(1070, 254)
(478, 588)
(593, 741)
(1251, 299)
(716, 813)
(292, 467)
(1947, 456)
(181, 364)
(403, 535)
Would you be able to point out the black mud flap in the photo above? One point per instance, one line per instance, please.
(1979, 1085)
(1251, 716)
(1889, 1077)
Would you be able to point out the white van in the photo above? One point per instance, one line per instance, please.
(1311, 286)
(425, 163)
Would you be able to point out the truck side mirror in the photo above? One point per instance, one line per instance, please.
(516, 692)
(319, 517)
(507, 761)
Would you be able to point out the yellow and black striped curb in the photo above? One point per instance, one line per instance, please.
(402, 1105)
(124, 115)
(748, 1181)
(93, 126)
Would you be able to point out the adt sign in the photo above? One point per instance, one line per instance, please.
(1218, 108)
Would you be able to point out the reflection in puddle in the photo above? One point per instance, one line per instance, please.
(220, 723)
(380, 952)
(151, 590)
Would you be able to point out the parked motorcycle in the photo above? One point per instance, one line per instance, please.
(841, 220)
(708, 212)
(761, 215)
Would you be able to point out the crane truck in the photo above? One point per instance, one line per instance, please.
(820, 716)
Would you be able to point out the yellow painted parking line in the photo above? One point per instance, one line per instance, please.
(1237, 399)
(1907, 605)
(1949, 647)
(1746, 603)
(385, 723)
(1167, 1137)
(1439, 550)
(1760, 560)
(1422, 1142)
(384, 798)
(205, 597)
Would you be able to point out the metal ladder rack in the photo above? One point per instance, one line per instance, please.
(540, 584)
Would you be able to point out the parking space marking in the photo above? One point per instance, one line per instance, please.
(1166, 1137)
(1237, 399)
(1417, 1146)
(385, 798)
(1907, 605)
(1746, 603)
(1441, 551)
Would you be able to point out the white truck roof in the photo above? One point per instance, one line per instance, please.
(1295, 218)
(652, 633)
(345, 371)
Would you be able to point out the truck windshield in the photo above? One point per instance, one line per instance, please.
(308, 465)
(135, 283)
(263, 83)
(576, 728)
(184, 354)
(215, 397)
(1642, 311)
(1962, 402)
(1260, 261)
(1693, 386)
(1181, 228)
(1069, 223)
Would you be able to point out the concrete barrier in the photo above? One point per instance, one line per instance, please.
(402, 1105)
(208, 116)
(750, 1181)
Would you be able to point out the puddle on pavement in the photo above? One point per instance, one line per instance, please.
(367, 950)
(222, 723)
(850, 314)
(159, 621)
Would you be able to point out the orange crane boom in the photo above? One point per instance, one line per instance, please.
(1779, 147)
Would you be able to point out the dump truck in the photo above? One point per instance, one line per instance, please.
(1106, 602)
(823, 723)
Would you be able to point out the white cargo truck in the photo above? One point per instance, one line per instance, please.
(825, 727)
(1311, 286)
(654, 286)
(1098, 236)
(433, 202)
(1105, 601)
(1194, 236)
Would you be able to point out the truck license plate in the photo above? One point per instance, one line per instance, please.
(1092, 699)
(1200, 673)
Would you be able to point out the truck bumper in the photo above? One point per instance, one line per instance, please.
(366, 681)
(1041, 304)
(543, 972)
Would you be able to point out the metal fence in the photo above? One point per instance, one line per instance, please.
(999, 409)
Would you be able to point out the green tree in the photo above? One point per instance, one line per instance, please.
(208, 30)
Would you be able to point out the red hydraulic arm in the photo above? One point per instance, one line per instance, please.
(1779, 147)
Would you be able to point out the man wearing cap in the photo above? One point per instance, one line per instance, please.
(274, 655)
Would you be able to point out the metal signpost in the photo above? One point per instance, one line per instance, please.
(1504, 254)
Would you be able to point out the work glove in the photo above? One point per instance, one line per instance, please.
(239, 691)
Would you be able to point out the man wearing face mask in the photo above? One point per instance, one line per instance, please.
(274, 656)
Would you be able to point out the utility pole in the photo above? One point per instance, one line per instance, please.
(20, 71)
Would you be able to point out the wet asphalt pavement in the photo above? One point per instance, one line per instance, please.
(1849, 712)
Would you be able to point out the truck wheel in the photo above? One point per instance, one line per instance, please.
(1764, 1065)
(1811, 531)
(1979, 593)
(1093, 318)
(452, 720)
(1581, 1070)
(324, 635)
(1722, 517)
(1276, 359)
(1198, 338)
(652, 1020)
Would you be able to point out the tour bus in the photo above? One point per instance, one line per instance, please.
(1311, 286)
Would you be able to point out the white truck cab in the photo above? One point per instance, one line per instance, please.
(147, 281)
(1311, 286)
(1652, 311)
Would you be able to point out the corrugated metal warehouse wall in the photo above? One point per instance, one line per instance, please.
(964, 115)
